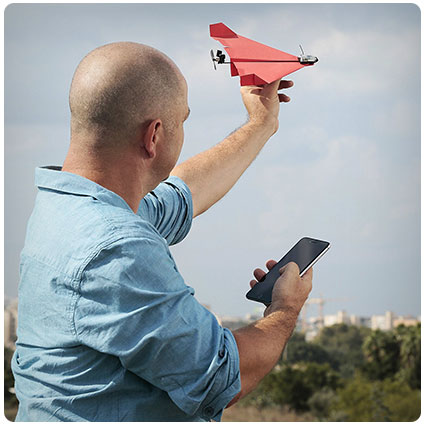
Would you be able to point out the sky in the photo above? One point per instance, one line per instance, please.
(343, 167)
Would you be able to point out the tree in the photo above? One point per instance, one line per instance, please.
(343, 343)
(410, 354)
(404, 403)
(299, 350)
(365, 401)
(394, 354)
(382, 352)
(320, 403)
(294, 385)
(314, 375)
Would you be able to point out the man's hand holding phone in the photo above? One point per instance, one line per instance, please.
(290, 291)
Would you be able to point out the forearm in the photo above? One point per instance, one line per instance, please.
(260, 346)
(211, 174)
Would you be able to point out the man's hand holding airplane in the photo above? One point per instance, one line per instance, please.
(262, 102)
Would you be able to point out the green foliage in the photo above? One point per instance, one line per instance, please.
(294, 385)
(343, 344)
(410, 354)
(395, 354)
(382, 352)
(298, 350)
(320, 403)
(404, 403)
(9, 381)
(362, 400)
(347, 373)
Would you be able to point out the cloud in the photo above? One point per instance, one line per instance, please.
(348, 192)
(365, 62)
(400, 119)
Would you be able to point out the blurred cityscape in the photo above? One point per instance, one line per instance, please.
(310, 326)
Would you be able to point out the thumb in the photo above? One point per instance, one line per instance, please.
(272, 87)
(291, 267)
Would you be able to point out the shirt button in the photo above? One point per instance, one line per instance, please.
(208, 411)
(221, 353)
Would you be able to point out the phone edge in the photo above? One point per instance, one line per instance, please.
(316, 260)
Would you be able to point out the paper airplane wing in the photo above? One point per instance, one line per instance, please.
(254, 62)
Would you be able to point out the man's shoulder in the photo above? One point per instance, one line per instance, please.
(122, 221)
(119, 227)
(65, 234)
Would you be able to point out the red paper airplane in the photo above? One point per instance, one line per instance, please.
(255, 63)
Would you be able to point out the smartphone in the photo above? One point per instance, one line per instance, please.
(305, 253)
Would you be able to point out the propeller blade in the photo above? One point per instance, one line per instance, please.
(213, 59)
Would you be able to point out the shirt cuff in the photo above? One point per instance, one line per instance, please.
(214, 409)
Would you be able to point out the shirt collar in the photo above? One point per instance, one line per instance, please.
(53, 178)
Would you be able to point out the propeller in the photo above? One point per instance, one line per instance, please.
(213, 59)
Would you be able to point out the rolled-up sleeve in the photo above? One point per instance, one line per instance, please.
(169, 209)
(134, 304)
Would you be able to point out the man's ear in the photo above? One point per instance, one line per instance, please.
(151, 137)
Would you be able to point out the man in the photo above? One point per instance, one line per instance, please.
(108, 330)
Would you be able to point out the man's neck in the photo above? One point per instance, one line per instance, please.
(120, 174)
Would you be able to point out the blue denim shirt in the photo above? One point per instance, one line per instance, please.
(107, 328)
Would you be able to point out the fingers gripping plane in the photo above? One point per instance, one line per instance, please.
(255, 63)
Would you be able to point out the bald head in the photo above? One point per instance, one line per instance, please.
(119, 87)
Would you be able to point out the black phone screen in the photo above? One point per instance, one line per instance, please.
(303, 253)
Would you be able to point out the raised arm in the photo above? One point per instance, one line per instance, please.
(211, 174)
